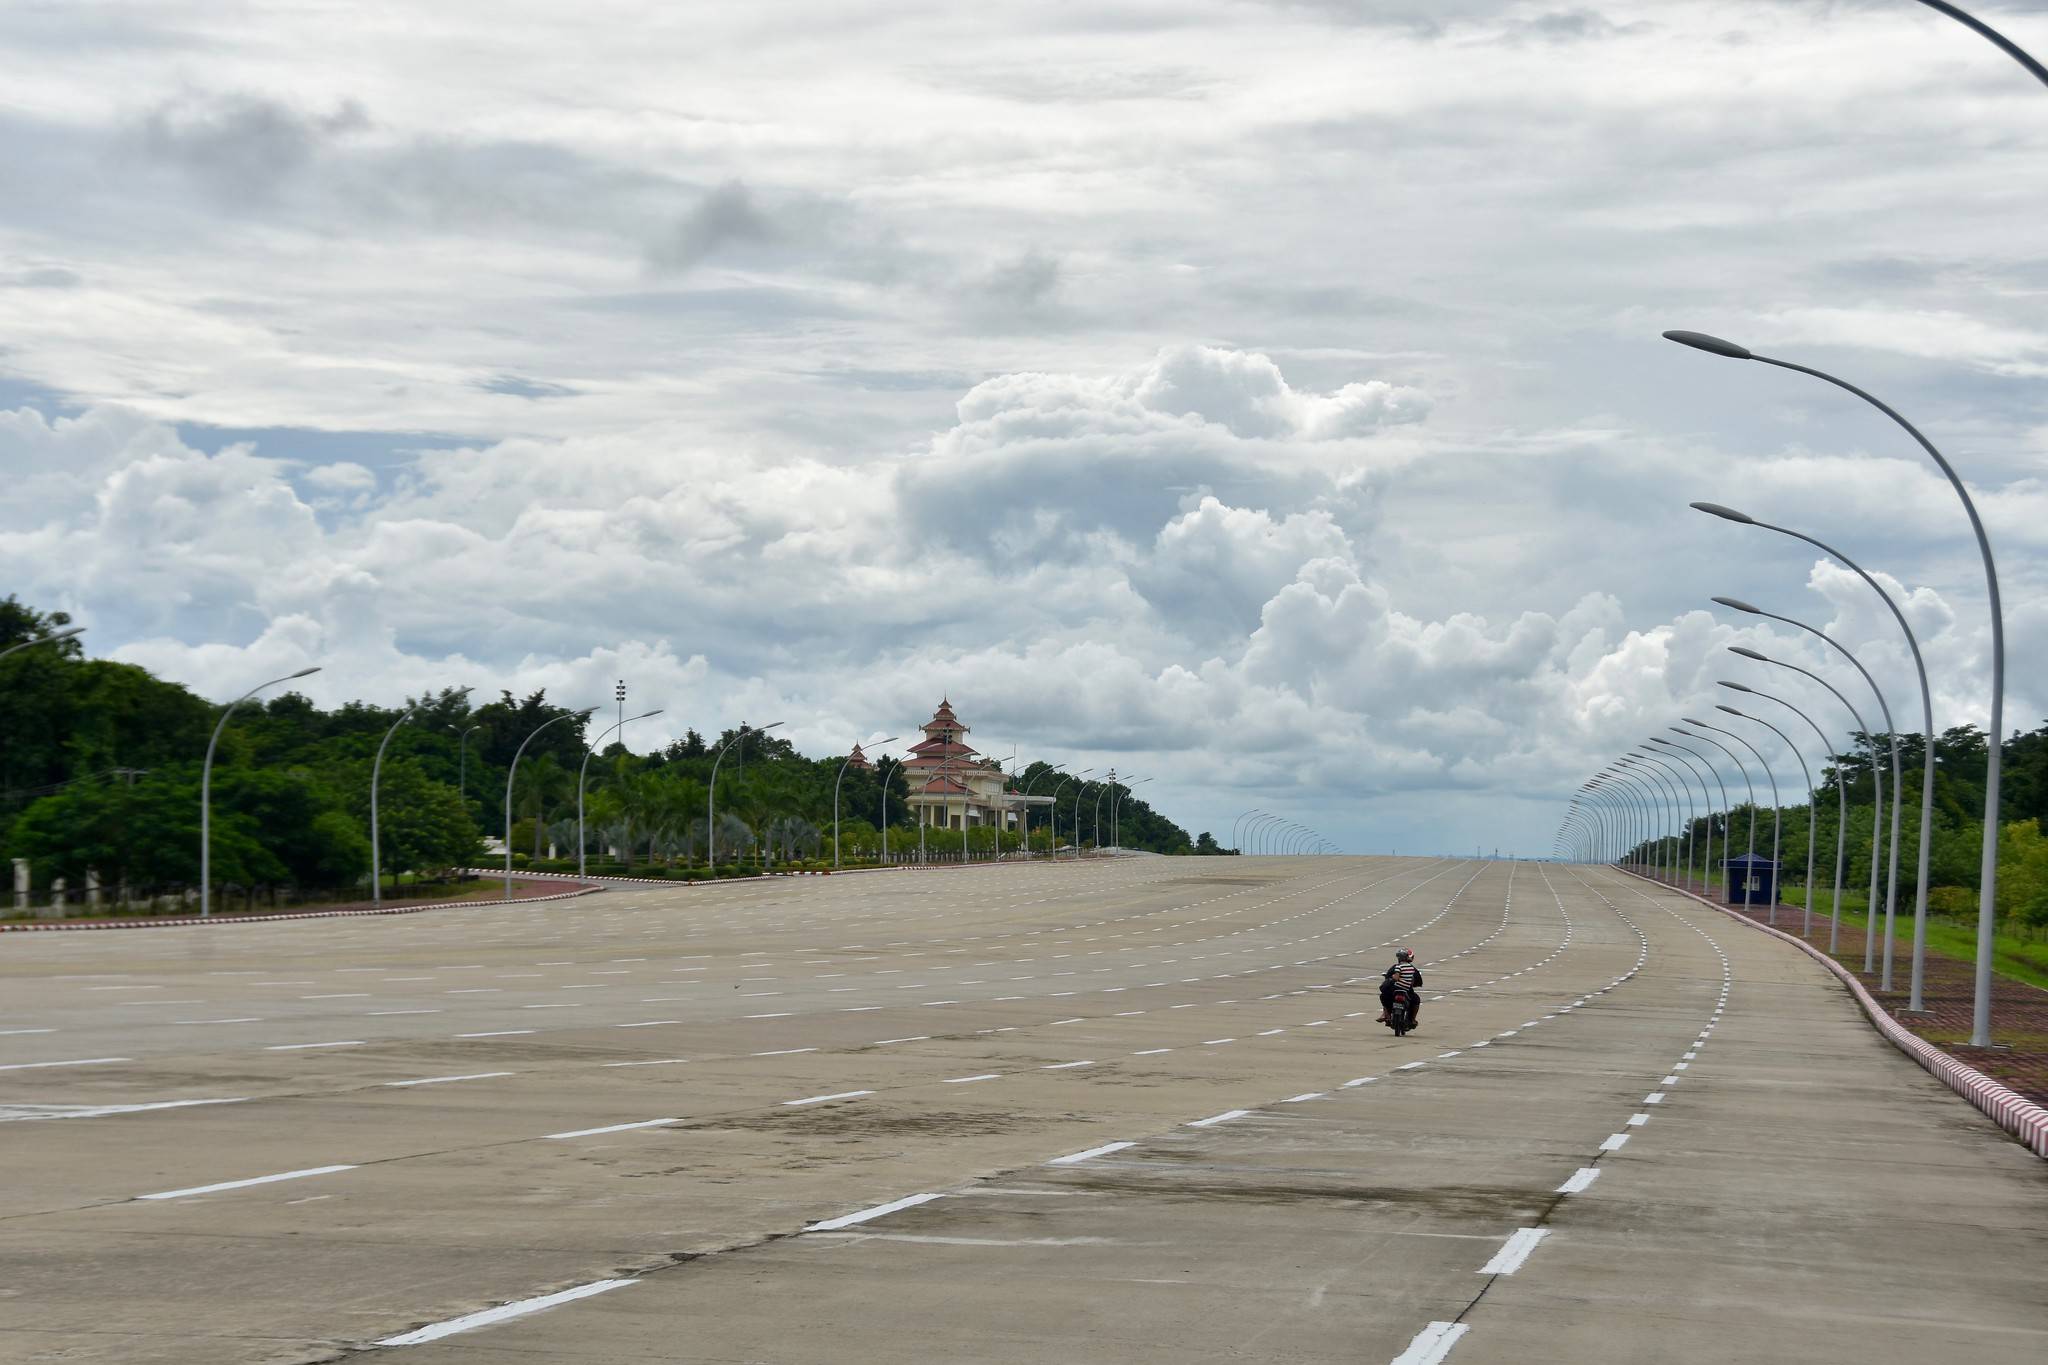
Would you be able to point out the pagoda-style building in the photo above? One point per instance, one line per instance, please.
(859, 760)
(952, 786)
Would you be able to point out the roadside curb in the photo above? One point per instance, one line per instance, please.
(194, 921)
(2013, 1112)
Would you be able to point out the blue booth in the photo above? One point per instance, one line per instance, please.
(1751, 880)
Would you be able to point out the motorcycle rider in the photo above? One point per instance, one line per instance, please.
(1404, 972)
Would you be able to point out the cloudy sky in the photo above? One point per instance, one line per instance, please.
(1260, 395)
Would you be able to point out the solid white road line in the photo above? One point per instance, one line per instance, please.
(441, 1080)
(1224, 1117)
(611, 1128)
(1432, 1344)
(848, 1220)
(1076, 1158)
(1514, 1251)
(1581, 1179)
(965, 1080)
(243, 1184)
(502, 1313)
(301, 1047)
(496, 1033)
(820, 1099)
(83, 1061)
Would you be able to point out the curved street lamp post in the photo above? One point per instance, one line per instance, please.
(1987, 890)
(513, 771)
(376, 772)
(206, 782)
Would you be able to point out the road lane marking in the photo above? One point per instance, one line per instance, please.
(849, 1219)
(442, 1080)
(502, 1313)
(784, 1052)
(1224, 1117)
(301, 1047)
(244, 1184)
(1580, 1180)
(610, 1128)
(820, 1099)
(1516, 1250)
(664, 1061)
(1065, 1066)
(1638, 1120)
(82, 1061)
(1432, 1344)
(1303, 1099)
(967, 1080)
(496, 1033)
(1615, 1142)
(649, 1023)
(1076, 1158)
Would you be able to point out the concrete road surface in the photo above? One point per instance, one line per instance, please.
(1135, 1110)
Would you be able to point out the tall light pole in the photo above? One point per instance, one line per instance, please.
(1024, 809)
(462, 761)
(1891, 900)
(1054, 852)
(1728, 829)
(835, 799)
(590, 751)
(1812, 801)
(1984, 30)
(1926, 726)
(884, 778)
(1078, 791)
(1877, 797)
(1750, 848)
(1234, 824)
(1677, 781)
(1670, 757)
(377, 771)
(206, 784)
(1987, 891)
(1101, 790)
(58, 638)
(1115, 830)
(513, 772)
(1776, 805)
(711, 792)
(1841, 805)
(1655, 769)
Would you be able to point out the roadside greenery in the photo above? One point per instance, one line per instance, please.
(1954, 855)
(100, 776)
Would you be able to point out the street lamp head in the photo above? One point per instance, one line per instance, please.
(302, 673)
(762, 729)
(1734, 686)
(645, 714)
(1729, 709)
(70, 634)
(1738, 604)
(1748, 653)
(1714, 345)
(588, 710)
(1678, 731)
(1689, 720)
(1715, 509)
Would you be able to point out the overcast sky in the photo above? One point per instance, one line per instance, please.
(1262, 397)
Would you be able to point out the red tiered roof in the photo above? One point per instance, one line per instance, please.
(859, 760)
(941, 745)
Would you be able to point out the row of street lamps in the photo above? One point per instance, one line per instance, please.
(1269, 833)
(1613, 794)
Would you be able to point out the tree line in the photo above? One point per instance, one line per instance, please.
(1954, 865)
(100, 774)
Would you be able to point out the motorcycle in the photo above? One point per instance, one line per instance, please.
(1401, 1011)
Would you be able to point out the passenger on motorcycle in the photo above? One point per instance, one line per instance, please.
(1403, 973)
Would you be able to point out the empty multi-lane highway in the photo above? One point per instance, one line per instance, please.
(1124, 1110)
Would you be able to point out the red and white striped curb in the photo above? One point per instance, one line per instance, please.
(2007, 1108)
(187, 921)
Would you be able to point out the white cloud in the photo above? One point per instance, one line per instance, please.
(1272, 396)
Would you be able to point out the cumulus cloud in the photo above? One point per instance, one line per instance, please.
(1275, 400)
